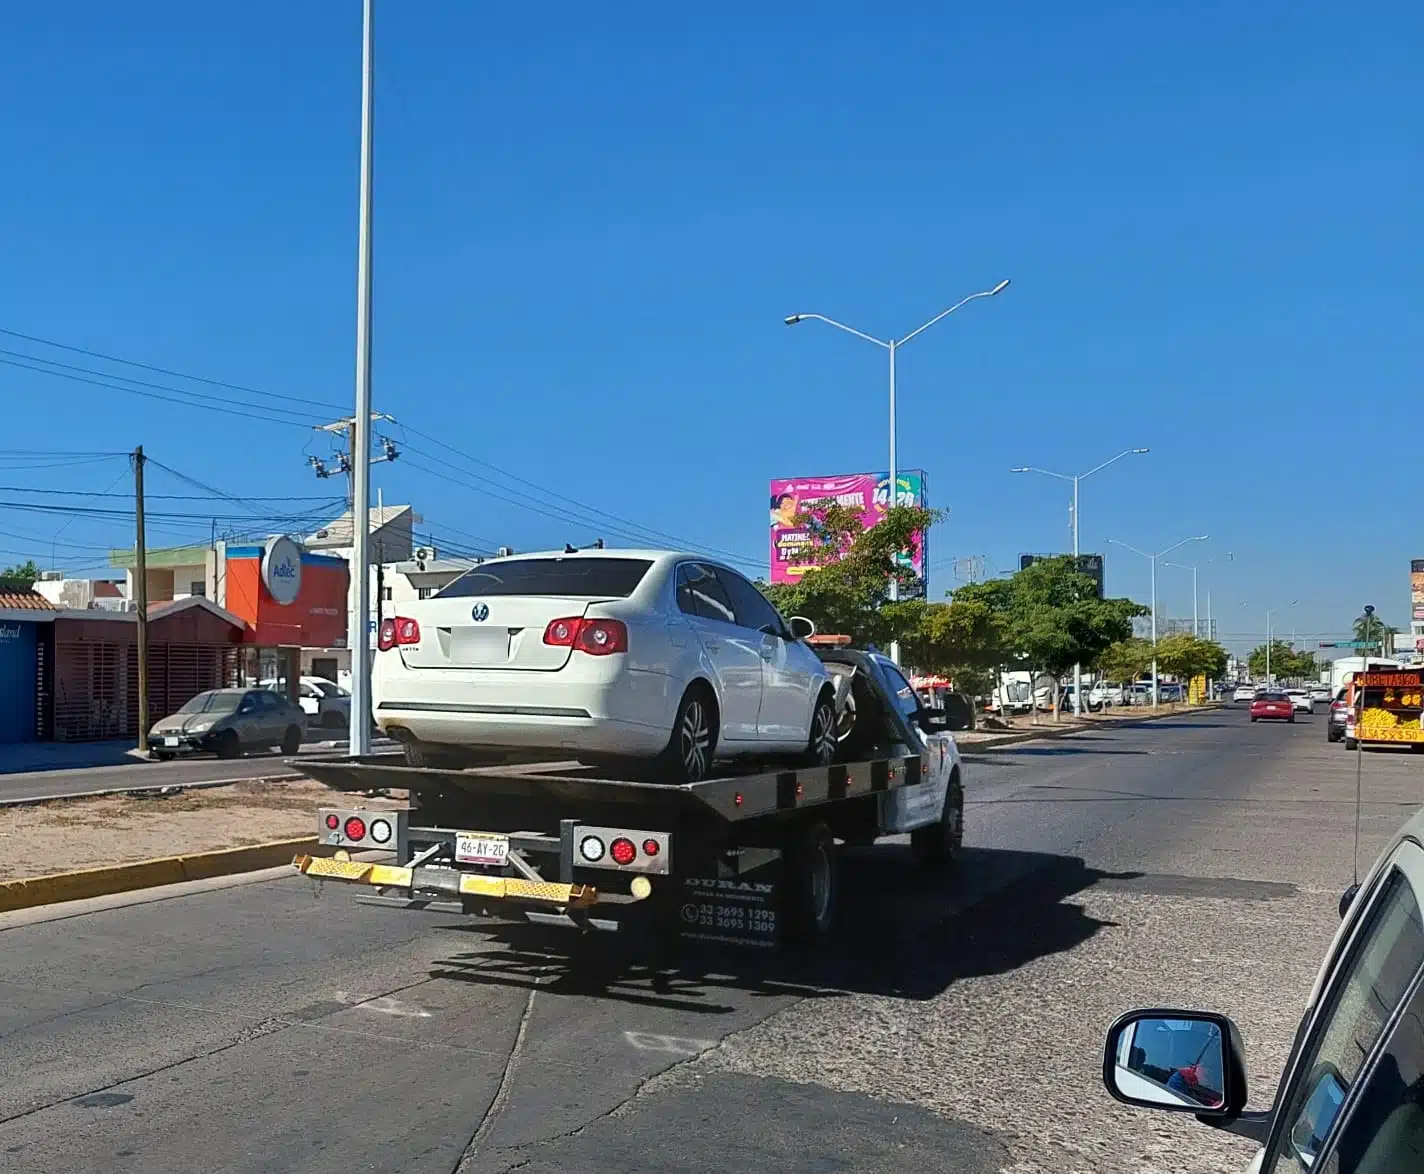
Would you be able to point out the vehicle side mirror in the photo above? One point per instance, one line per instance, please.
(1181, 1061)
(1347, 898)
(801, 627)
(932, 720)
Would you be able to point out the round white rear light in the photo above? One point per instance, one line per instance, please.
(380, 831)
(591, 848)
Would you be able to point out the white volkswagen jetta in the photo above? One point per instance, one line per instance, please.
(668, 659)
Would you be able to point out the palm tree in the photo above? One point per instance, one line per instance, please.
(1372, 628)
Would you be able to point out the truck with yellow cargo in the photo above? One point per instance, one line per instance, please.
(1384, 708)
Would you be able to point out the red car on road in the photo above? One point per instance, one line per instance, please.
(1272, 705)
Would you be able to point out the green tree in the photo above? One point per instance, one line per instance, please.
(848, 588)
(1126, 660)
(1286, 662)
(1051, 618)
(20, 577)
(1187, 656)
(1370, 627)
(962, 639)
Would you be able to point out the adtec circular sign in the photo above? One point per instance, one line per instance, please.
(282, 569)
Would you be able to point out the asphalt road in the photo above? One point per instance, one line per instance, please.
(956, 1027)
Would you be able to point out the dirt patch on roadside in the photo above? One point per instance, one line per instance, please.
(67, 834)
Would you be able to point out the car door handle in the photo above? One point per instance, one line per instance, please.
(711, 645)
(768, 653)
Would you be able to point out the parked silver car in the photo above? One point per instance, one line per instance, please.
(229, 722)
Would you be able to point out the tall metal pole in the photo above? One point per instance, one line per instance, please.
(1268, 650)
(893, 494)
(1209, 634)
(141, 597)
(358, 638)
(1077, 568)
(1196, 631)
(1154, 632)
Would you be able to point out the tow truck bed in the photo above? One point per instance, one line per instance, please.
(748, 857)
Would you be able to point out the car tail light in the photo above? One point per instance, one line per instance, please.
(407, 631)
(355, 828)
(386, 638)
(595, 637)
(623, 851)
(333, 822)
(651, 848)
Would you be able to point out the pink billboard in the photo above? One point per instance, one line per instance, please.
(866, 493)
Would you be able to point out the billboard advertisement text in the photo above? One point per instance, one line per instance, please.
(864, 493)
(1416, 589)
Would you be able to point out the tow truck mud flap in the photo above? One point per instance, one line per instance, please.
(739, 911)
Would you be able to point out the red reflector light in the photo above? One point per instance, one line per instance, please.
(407, 631)
(737, 799)
(333, 822)
(595, 637)
(355, 828)
(623, 851)
(651, 848)
(386, 638)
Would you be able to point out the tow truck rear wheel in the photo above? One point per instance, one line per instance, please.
(809, 884)
(937, 845)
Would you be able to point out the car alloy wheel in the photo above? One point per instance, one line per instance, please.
(695, 739)
(824, 735)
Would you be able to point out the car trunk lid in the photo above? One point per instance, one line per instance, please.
(490, 632)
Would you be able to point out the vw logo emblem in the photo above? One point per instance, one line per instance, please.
(479, 612)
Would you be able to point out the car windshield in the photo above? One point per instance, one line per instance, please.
(581, 575)
(214, 701)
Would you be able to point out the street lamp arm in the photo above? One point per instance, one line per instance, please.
(1126, 546)
(1045, 472)
(1183, 542)
(983, 293)
(795, 318)
(1125, 453)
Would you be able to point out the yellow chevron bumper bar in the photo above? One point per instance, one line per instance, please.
(499, 888)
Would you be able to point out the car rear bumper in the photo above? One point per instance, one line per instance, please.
(176, 744)
(603, 708)
(574, 730)
(1274, 716)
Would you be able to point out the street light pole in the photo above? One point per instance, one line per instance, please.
(1152, 558)
(1077, 565)
(359, 639)
(892, 345)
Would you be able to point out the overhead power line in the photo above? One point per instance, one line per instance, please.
(78, 350)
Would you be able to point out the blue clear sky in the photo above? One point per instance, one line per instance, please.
(591, 221)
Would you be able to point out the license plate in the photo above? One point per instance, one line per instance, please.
(170, 741)
(478, 848)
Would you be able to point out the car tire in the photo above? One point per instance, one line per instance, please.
(291, 740)
(823, 741)
(692, 745)
(1351, 743)
(1332, 735)
(937, 846)
(1291, 719)
(809, 885)
(229, 745)
(1253, 717)
(423, 754)
(163, 755)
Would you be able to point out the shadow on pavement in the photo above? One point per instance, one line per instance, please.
(899, 933)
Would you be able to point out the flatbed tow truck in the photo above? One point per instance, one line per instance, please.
(747, 858)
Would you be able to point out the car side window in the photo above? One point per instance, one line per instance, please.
(700, 594)
(1385, 1129)
(752, 608)
(1372, 984)
(907, 701)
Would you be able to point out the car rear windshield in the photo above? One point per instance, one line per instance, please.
(1272, 697)
(606, 578)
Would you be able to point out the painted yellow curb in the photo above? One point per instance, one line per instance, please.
(146, 874)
